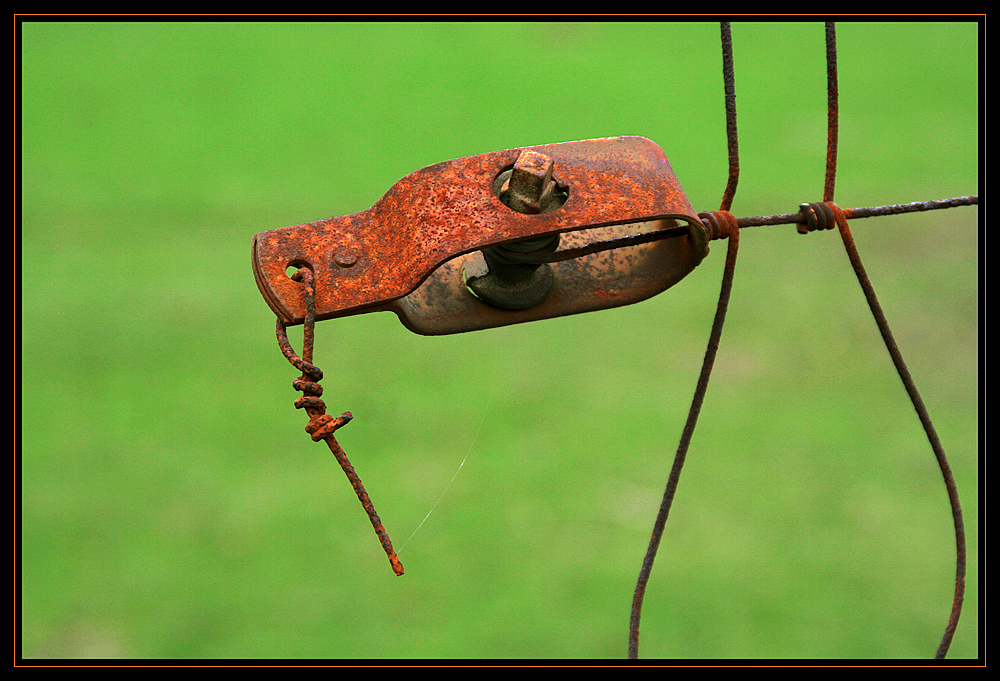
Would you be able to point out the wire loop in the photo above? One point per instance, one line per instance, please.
(720, 223)
(817, 216)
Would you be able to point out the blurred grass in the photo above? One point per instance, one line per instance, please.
(172, 506)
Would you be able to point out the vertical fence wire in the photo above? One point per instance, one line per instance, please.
(833, 109)
(731, 230)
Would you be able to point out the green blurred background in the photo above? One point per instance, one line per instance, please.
(173, 506)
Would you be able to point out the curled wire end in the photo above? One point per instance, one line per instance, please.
(324, 425)
(720, 223)
(817, 216)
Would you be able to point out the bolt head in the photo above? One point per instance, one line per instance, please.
(530, 186)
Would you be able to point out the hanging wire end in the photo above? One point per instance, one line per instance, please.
(321, 425)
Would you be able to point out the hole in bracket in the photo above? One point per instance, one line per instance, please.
(294, 266)
(502, 177)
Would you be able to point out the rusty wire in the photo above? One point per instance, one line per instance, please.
(722, 224)
(832, 111)
(804, 218)
(811, 217)
(728, 228)
(321, 425)
(925, 420)
(890, 343)
(732, 139)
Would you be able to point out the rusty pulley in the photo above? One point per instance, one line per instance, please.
(455, 246)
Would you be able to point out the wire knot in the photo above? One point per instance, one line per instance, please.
(307, 387)
(311, 395)
(720, 223)
(817, 216)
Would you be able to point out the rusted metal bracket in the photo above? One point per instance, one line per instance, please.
(412, 251)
